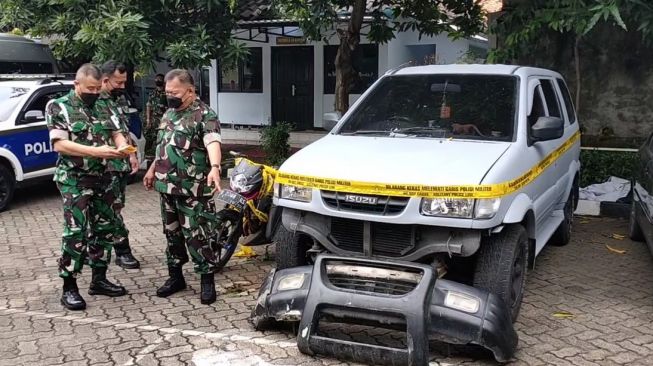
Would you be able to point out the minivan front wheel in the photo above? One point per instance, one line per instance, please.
(7, 186)
(291, 248)
(501, 266)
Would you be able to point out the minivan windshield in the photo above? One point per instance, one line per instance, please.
(10, 97)
(481, 107)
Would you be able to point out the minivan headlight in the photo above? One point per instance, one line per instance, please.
(448, 207)
(291, 282)
(296, 193)
(486, 208)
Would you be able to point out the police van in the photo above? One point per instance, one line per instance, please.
(25, 150)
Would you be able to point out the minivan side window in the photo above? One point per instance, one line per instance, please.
(571, 113)
(551, 98)
(538, 107)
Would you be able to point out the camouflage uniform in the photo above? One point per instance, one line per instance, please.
(181, 169)
(83, 183)
(156, 101)
(119, 170)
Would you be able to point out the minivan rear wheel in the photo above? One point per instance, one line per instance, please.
(7, 186)
(634, 230)
(501, 266)
(562, 235)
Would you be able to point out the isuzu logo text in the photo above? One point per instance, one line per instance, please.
(361, 199)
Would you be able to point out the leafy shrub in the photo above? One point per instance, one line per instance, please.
(597, 166)
(274, 140)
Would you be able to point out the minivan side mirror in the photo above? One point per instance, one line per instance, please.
(33, 116)
(330, 120)
(547, 128)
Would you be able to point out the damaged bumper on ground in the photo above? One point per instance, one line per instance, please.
(397, 295)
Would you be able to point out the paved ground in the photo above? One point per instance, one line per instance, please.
(609, 294)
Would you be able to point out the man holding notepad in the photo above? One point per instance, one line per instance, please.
(114, 77)
(85, 140)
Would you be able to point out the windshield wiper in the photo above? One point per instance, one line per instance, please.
(431, 131)
(365, 132)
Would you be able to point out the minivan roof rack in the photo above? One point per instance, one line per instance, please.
(393, 71)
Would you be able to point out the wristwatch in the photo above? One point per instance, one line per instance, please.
(216, 166)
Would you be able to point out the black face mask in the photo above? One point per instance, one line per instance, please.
(174, 102)
(89, 99)
(117, 92)
(158, 83)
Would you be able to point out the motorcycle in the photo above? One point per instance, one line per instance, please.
(248, 217)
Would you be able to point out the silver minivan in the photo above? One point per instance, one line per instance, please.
(426, 204)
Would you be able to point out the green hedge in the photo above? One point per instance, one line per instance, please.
(597, 166)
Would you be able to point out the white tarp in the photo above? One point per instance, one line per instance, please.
(610, 191)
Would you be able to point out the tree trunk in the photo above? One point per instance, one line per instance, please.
(344, 69)
(349, 40)
(578, 77)
(129, 85)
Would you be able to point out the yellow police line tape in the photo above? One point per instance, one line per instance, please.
(411, 190)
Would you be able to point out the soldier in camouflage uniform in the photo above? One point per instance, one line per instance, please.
(154, 110)
(186, 172)
(114, 76)
(83, 140)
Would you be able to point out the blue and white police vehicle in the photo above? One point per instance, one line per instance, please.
(25, 150)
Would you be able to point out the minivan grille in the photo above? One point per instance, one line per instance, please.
(373, 279)
(348, 234)
(389, 240)
(385, 205)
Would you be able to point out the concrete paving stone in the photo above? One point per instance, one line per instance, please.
(51, 361)
(126, 346)
(147, 360)
(22, 359)
(596, 354)
(579, 361)
(27, 348)
(640, 350)
(169, 361)
(589, 334)
(523, 358)
(625, 358)
(173, 351)
(76, 363)
(567, 352)
(121, 357)
(612, 347)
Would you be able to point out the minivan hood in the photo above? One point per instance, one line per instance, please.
(397, 160)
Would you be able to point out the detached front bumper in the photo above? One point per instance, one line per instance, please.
(400, 295)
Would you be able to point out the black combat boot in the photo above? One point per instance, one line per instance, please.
(173, 284)
(71, 298)
(207, 292)
(101, 286)
(124, 256)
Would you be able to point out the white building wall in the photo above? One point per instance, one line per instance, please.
(256, 108)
